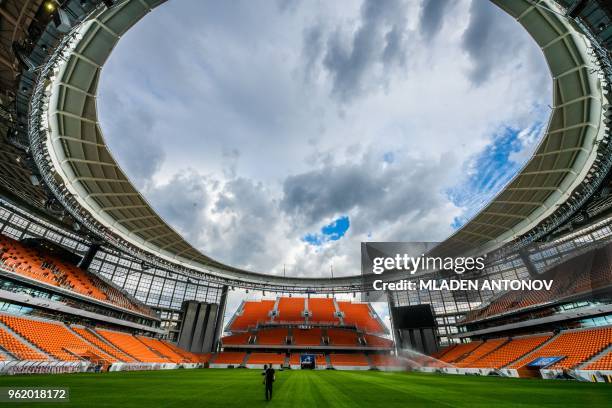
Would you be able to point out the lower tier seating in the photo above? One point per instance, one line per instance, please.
(131, 346)
(93, 339)
(509, 352)
(22, 338)
(55, 339)
(229, 357)
(576, 347)
(602, 363)
(385, 360)
(17, 348)
(356, 360)
(160, 347)
(459, 351)
(266, 358)
(481, 351)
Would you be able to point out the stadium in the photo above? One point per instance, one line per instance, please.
(101, 296)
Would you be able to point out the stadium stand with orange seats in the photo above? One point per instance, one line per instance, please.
(385, 360)
(375, 341)
(291, 310)
(484, 349)
(510, 352)
(189, 356)
(575, 346)
(355, 360)
(266, 358)
(307, 337)
(51, 270)
(131, 346)
(229, 357)
(602, 363)
(272, 336)
(359, 314)
(342, 337)
(322, 310)
(579, 275)
(55, 339)
(163, 350)
(438, 354)
(251, 314)
(238, 338)
(19, 349)
(101, 344)
(459, 351)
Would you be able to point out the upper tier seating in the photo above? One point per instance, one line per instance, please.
(481, 351)
(252, 314)
(307, 337)
(358, 314)
(131, 346)
(92, 338)
(341, 337)
(266, 358)
(576, 346)
(322, 310)
(272, 336)
(237, 339)
(17, 348)
(349, 360)
(54, 271)
(509, 352)
(578, 275)
(459, 351)
(55, 339)
(229, 357)
(290, 310)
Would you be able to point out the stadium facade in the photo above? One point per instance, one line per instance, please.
(65, 203)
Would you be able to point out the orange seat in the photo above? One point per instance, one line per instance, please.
(349, 360)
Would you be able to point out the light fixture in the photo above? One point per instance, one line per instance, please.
(50, 6)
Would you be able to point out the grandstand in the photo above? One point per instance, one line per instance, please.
(93, 279)
(347, 333)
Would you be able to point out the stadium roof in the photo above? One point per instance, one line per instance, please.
(76, 161)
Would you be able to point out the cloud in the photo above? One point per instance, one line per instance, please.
(250, 124)
(491, 43)
(131, 127)
(379, 40)
(432, 17)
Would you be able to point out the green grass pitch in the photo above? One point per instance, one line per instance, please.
(243, 388)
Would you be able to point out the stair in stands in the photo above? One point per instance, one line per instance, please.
(532, 351)
(338, 312)
(26, 342)
(246, 357)
(104, 342)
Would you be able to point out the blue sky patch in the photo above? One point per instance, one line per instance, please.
(490, 170)
(330, 232)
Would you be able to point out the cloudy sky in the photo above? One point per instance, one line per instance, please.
(283, 133)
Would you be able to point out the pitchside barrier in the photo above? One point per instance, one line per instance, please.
(44, 367)
(65, 367)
